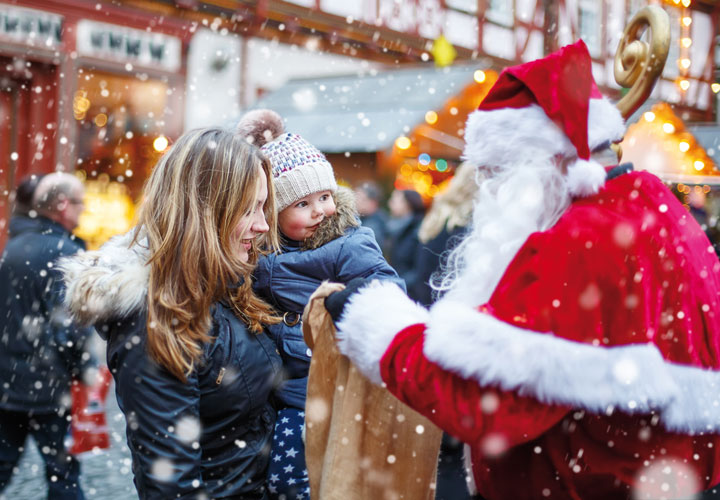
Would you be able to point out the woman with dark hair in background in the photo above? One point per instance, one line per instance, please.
(402, 244)
(192, 366)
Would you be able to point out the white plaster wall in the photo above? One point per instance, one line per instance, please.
(615, 24)
(354, 9)
(702, 39)
(525, 10)
(598, 72)
(304, 3)
(270, 64)
(213, 79)
(461, 29)
(535, 46)
(499, 41)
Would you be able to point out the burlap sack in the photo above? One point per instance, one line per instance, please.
(361, 442)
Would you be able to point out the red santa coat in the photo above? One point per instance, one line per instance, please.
(595, 360)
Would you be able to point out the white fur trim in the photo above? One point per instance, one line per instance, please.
(632, 378)
(513, 135)
(107, 283)
(521, 135)
(605, 123)
(697, 408)
(585, 178)
(370, 321)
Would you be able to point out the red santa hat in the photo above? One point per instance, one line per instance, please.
(542, 108)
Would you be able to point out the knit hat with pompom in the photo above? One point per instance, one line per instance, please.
(298, 167)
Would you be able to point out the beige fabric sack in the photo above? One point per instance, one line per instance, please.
(361, 442)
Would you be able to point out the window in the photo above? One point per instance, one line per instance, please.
(500, 12)
(120, 126)
(590, 25)
(469, 6)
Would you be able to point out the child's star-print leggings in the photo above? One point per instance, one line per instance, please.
(287, 473)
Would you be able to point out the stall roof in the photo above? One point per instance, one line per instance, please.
(708, 136)
(364, 112)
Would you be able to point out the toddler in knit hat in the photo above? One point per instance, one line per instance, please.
(322, 240)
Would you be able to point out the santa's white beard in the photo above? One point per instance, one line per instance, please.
(512, 202)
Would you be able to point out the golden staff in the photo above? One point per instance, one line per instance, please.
(638, 64)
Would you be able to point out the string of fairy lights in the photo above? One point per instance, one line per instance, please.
(685, 41)
(419, 170)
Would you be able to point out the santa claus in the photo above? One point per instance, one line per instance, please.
(576, 348)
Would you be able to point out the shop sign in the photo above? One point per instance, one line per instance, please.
(30, 27)
(128, 45)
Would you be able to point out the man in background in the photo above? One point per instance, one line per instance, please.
(23, 214)
(41, 350)
(367, 199)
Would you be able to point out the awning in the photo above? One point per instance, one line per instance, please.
(365, 112)
(660, 142)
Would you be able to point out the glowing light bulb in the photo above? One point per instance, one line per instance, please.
(715, 87)
(686, 3)
(431, 117)
(684, 63)
(684, 146)
(699, 165)
(686, 42)
(402, 142)
(649, 116)
(684, 84)
(687, 21)
(101, 120)
(479, 76)
(160, 143)
(668, 128)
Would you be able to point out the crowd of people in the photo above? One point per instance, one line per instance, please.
(555, 316)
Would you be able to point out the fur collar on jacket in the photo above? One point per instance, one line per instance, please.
(109, 283)
(346, 216)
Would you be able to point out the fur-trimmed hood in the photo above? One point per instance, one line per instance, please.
(109, 283)
(346, 216)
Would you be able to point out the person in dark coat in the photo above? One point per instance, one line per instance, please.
(23, 215)
(41, 350)
(367, 199)
(402, 245)
(442, 229)
(192, 365)
(321, 240)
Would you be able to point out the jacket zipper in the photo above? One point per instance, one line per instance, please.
(226, 360)
(220, 376)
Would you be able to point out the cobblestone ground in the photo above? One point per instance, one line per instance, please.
(104, 475)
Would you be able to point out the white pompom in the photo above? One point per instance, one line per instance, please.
(585, 178)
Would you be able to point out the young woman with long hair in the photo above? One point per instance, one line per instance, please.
(192, 365)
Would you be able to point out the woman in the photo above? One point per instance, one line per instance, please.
(192, 366)
(442, 229)
(402, 245)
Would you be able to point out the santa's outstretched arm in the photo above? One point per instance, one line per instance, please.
(383, 333)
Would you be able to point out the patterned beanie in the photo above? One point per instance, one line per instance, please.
(298, 169)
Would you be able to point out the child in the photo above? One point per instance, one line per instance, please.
(321, 240)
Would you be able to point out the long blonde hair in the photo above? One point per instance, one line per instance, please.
(452, 208)
(193, 200)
